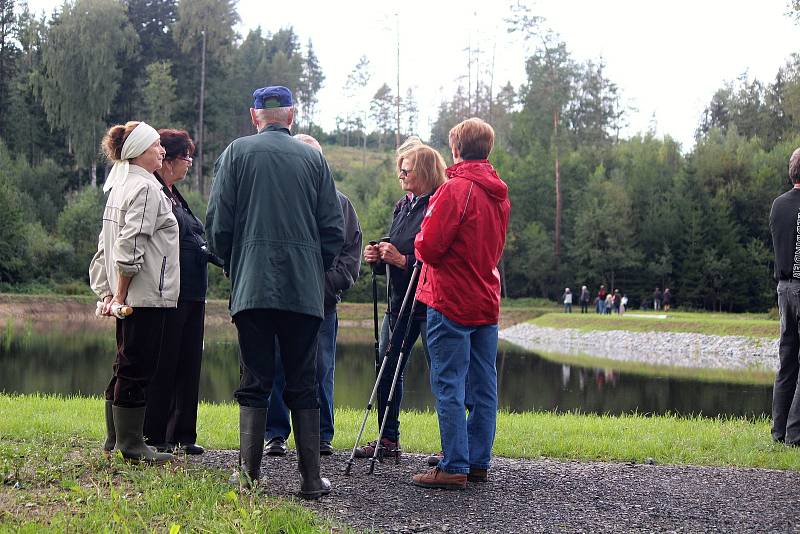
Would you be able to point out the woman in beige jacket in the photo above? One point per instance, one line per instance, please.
(137, 265)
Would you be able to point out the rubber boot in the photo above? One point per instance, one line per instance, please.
(128, 423)
(306, 436)
(252, 422)
(111, 434)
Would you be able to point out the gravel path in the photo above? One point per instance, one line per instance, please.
(658, 348)
(544, 496)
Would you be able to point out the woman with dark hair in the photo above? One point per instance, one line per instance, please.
(171, 418)
(136, 266)
(421, 172)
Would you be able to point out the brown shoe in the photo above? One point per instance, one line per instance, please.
(436, 478)
(478, 475)
(391, 449)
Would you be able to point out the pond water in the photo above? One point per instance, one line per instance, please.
(77, 361)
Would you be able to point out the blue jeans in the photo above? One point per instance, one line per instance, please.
(392, 430)
(278, 414)
(464, 377)
(601, 306)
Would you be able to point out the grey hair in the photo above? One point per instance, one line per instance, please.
(274, 116)
(794, 166)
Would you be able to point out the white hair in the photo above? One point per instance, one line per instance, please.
(274, 116)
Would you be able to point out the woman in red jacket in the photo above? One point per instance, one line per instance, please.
(460, 243)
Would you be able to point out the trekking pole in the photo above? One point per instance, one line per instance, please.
(387, 239)
(375, 312)
(378, 454)
(372, 395)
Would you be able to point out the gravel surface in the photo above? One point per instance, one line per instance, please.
(658, 348)
(543, 496)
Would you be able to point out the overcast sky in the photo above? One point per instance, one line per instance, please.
(668, 58)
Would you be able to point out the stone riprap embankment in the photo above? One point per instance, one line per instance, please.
(679, 349)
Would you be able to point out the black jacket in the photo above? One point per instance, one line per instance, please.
(784, 225)
(344, 271)
(405, 227)
(193, 257)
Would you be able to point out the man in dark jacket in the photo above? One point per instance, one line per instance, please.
(274, 218)
(339, 277)
(784, 224)
(460, 243)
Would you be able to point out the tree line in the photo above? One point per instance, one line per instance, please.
(588, 207)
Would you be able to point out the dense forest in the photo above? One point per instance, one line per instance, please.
(588, 207)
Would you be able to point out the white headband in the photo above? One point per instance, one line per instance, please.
(137, 142)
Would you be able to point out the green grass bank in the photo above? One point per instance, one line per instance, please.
(55, 478)
(719, 324)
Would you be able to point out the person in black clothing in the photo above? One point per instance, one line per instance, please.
(667, 299)
(784, 225)
(421, 171)
(617, 300)
(584, 299)
(172, 397)
(657, 299)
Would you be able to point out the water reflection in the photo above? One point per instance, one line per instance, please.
(74, 360)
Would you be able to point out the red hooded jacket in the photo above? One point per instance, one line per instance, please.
(460, 243)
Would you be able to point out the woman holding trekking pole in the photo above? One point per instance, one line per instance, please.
(421, 171)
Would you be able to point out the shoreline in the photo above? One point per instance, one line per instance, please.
(676, 349)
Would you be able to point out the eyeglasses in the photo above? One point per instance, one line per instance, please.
(186, 159)
(404, 172)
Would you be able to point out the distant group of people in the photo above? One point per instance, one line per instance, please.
(662, 301)
(291, 243)
(608, 302)
(605, 302)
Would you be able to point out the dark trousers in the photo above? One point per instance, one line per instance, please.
(138, 349)
(278, 424)
(296, 334)
(173, 393)
(392, 429)
(786, 393)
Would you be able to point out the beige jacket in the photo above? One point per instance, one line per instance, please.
(139, 239)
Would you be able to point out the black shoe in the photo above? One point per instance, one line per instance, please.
(434, 459)
(325, 448)
(276, 447)
(191, 448)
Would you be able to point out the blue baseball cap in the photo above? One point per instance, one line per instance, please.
(274, 96)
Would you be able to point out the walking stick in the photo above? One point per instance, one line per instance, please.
(404, 349)
(375, 312)
(387, 239)
(372, 395)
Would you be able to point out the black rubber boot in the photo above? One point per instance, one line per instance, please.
(306, 436)
(251, 446)
(111, 434)
(128, 423)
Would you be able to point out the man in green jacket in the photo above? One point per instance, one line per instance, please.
(274, 218)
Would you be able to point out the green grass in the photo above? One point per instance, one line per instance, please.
(56, 479)
(670, 439)
(721, 324)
